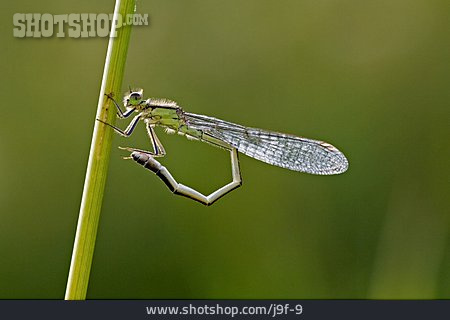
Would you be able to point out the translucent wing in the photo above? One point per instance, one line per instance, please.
(279, 149)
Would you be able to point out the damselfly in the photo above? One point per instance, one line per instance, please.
(279, 149)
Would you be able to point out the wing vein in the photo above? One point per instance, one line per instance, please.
(279, 149)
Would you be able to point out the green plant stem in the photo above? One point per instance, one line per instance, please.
(95, 180)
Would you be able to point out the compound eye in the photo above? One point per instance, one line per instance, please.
(135, 96)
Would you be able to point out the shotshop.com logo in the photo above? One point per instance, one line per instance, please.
(73, 25)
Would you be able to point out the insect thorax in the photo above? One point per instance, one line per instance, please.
(162, 102)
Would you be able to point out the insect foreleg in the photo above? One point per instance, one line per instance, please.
(120, 113)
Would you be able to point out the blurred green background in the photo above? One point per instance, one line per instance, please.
(371, 77)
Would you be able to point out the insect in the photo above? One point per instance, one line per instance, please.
(279, 149)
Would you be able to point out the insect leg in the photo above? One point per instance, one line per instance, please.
(129, 130)
(157, 145)
(177, 188)
(158, 149)
(120, 113)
